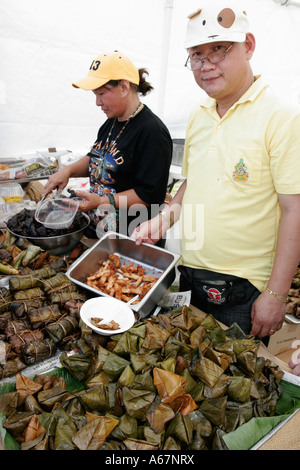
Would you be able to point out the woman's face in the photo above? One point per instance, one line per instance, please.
(111, 100)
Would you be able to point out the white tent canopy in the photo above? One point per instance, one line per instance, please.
(47, 45)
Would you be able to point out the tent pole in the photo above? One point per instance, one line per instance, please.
(165, 56)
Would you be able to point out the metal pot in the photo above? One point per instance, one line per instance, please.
(60, 244)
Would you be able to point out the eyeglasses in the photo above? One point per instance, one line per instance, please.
(196, 63)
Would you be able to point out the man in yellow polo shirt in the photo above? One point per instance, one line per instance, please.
(240, 202)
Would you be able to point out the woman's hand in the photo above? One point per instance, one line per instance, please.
(89, 201)
(57, 180)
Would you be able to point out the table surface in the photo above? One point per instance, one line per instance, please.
(25, 180)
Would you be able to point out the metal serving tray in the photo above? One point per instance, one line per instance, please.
(155, 260)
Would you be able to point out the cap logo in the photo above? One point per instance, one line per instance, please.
(226, 18)
(95, 65)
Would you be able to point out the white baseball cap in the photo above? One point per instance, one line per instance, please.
(216, 21)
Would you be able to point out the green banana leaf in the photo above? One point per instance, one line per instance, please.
(8, 441)
(247, 435)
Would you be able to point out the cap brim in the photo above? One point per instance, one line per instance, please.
(90, 83)
(231, 37)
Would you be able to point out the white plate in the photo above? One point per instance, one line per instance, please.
(108, 309)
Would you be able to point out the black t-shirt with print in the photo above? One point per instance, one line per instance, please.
(139, 158)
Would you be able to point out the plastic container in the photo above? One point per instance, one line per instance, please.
(11, 192)
(7, 211)
(56, 213)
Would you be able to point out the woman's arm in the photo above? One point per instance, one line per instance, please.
(122, 200)
(60, 178)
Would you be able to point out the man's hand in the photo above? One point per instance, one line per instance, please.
(150, 231)
(267, 315)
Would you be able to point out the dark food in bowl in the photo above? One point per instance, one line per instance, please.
(25, 225)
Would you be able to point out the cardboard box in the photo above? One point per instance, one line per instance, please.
(286, 339)
(284, 437)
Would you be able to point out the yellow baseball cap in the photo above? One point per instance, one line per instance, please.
(106, 67)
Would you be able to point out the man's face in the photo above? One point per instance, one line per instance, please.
(225, 78)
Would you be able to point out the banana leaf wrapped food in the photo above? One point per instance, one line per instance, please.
(95, 432)
(9, 403)
(7, 269)
(5, 299)
(163, 389)
(42, 316)
(16, 326)
(64, 297)
(95, 399)
(23, 337)
(5, 256)
(181, 428)
(33, 279)
(11, 367)
(69, 343)
(24, 282)
(127, 427)
(37, 351)
(5, 352)
(237, 414)
(8, 240)
(31, 404)
(62, 328)
(33, 293)
(32, 251)
(73, 307)
(47, 398)
(20, 308)
(5, 317)
(57, 282)
(44, 272)
(139, 444)
(78, 365)
(17, 261)
(34, 430)
(17, 422)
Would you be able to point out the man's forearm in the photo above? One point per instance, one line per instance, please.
(287, 254)
(173, 210)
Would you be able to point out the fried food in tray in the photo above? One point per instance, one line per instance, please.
(121, 281)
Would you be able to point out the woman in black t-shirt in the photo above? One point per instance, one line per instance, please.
(129, 163)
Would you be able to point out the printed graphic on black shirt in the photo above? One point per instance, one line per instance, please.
(103, 169)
